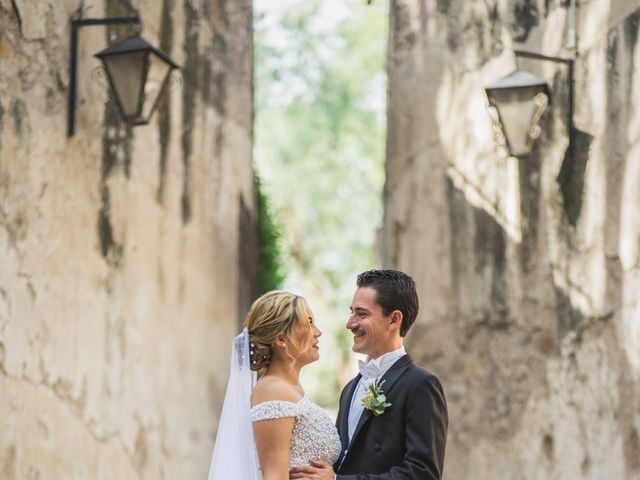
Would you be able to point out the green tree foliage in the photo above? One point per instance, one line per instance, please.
(271, 269)
(320, 138)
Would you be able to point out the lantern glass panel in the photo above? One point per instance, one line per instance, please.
(126, 72)
(158, 71)
(518, 111)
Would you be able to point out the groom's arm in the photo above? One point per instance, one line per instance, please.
(426, 425)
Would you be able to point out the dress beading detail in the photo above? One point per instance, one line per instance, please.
(314, 436)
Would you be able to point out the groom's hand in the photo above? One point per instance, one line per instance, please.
(318, 470)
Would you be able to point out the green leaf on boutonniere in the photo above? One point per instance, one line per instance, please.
(375, 399)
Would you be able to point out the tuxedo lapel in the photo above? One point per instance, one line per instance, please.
(346, 407)
(390, 378)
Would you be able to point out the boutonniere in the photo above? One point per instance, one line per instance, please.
(375, 399)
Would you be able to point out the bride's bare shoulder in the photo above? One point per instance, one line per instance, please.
(270, 388)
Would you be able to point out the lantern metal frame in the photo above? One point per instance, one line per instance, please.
(130, 45)
(569, 62)
(518, 80)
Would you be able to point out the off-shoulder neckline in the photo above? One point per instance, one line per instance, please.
(304, 395)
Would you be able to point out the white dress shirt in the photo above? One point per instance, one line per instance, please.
(371, 370)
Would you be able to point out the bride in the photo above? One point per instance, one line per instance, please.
(269, 426)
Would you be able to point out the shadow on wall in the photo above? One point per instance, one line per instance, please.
(478, 246)
(572, 174)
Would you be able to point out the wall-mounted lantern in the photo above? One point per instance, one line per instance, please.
(137, 71)
(520, 99)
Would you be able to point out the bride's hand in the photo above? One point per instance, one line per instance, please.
(318, 470)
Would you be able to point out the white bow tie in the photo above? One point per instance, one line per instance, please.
(369, 370)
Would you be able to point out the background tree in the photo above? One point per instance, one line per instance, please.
(320, 141)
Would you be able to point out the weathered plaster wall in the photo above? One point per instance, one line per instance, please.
(529, 270)
(120, 279)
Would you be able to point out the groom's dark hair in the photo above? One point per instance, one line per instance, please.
(394, 291)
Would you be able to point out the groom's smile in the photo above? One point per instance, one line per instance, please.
(369, 325)
(358, 337)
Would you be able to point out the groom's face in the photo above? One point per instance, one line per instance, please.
(369, 325)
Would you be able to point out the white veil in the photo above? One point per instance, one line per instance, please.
(234, 454)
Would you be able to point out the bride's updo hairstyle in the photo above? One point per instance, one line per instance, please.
(274, 313)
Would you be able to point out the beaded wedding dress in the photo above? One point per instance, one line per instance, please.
(314, 436)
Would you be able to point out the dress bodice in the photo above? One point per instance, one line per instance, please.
(314, 436)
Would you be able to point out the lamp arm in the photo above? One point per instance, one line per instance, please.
(571, 47)
(570, 63)
(76, 24)
(540, 56)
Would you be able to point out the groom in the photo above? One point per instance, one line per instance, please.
(404, 438)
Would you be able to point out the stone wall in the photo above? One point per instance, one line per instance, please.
(121, 283)
(528, 269)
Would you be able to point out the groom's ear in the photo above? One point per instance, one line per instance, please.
(396, 320)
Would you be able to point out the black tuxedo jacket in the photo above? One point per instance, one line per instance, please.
(408, 440)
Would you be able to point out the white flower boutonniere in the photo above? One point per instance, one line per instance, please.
(375, 399)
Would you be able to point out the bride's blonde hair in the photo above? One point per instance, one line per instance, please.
(275, 313)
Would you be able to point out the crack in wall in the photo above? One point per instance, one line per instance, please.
(17, 12)
(75, 408)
